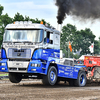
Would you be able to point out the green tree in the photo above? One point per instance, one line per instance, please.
(18, 17)
(4, 20)
(87, 38)
(26, 18)
(1, 33)
(67, 35)
(97, 47)
(1, 37)
(80, 40)
(1, 9)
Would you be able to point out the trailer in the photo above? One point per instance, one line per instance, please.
(31, 50)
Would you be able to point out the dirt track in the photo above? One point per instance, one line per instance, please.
(35, 90)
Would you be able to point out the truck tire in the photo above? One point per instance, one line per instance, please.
(51, 77)
(15, 77)
(58, 81)
(81, 80)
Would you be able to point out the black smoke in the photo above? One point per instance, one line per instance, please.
(84, 9)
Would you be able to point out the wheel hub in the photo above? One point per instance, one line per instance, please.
(52, 76)
(82, 79)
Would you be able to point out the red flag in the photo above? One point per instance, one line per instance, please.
(70, 47)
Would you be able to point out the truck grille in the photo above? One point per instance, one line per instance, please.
(19, 53)
(17, 69)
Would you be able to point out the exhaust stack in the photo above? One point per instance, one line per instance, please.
(59, 27)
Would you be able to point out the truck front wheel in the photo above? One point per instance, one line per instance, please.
(15, 77)
(81, 80)
(51, 77)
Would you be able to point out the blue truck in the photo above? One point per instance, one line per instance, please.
(31, 50)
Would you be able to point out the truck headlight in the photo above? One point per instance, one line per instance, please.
(38, 65)
(35, 65)
(2, 64)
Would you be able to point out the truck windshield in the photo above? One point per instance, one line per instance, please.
(23, 36)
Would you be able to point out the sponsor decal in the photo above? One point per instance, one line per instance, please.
(61, 71)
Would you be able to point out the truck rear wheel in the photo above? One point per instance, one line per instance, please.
(15, 77)
(51, 77)
(81, 80)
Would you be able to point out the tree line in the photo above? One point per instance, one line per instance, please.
(80, 39)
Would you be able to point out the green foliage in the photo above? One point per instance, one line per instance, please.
(87, 39)
(76, 56)
(1, 9)
(1, 33)
(65, 52)
(6, 19)
(18, 17)
(97, 47)
(26, 18)
(80, 40)
(1, 37)
(68, 33)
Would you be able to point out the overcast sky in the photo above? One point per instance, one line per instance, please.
(44, 9)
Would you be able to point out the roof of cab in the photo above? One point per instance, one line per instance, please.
(30, 26)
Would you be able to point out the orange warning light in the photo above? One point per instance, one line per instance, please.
(86, 57)
(41, 22)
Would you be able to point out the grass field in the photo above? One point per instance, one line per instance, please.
(5, 74)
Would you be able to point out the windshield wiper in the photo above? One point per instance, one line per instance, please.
(17, 41)
(27, 42)
(7, 42)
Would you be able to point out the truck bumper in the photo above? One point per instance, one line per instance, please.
(34, 66)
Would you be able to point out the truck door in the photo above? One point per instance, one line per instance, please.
(48, 39)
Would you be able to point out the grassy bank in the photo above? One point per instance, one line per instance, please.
(5, 74)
